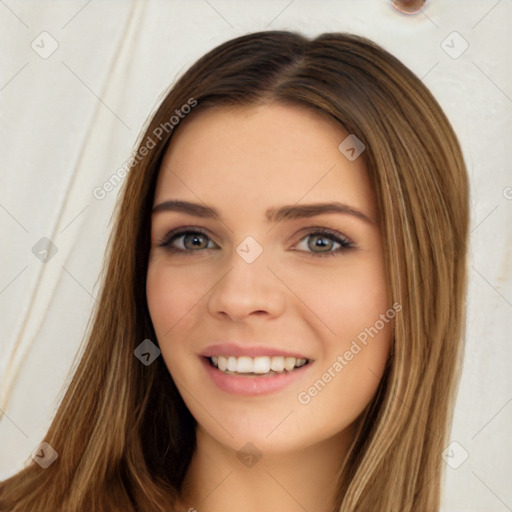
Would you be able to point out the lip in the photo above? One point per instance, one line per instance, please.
(253, 386)
(231, 349)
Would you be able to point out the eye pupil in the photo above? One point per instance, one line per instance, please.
(195, 241)
(320, 242)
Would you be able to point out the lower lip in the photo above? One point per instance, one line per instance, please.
(252, 386)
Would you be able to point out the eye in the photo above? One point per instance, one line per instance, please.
(317, 243)
(324, 243)
(187, 241)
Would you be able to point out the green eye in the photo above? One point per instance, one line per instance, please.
(317, 243)
(324, 243)
(195, 241)
(320, 243)
(187, 241)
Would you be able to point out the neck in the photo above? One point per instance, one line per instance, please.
(220, 478)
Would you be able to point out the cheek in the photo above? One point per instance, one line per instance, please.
(347, 300)
(171, 296)
(163, 304)
(352, 304)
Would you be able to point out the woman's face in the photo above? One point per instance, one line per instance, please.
(265, 253)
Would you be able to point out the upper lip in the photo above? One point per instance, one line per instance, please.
(231, 349)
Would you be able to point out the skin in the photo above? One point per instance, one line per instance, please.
(241, 162)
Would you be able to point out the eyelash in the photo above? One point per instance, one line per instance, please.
(345, 243)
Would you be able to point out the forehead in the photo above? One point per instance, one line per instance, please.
(262, 155)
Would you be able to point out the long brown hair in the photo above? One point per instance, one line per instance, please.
(123, 434)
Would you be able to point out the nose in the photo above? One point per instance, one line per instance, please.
(247, 290)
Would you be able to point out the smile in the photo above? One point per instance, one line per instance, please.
(261, 365)
(253, 376)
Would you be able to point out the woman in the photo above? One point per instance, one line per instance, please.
(280, 325)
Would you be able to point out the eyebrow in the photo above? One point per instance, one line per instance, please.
(272, 214)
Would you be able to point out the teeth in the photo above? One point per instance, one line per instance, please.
(222, 363)
(258, 365)
(244, 365)
(232, 364)
(289, 363)
(277, 364)
(261, 364)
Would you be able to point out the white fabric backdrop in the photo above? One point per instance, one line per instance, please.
(69, 120)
